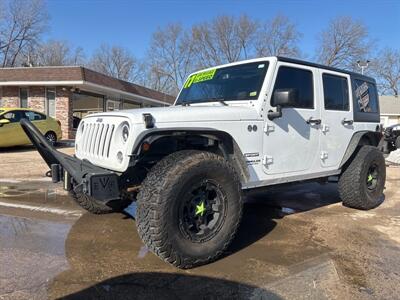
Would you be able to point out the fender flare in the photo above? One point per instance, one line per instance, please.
(360, 138)
(227, 145)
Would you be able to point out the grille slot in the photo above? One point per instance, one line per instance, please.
(96, 139)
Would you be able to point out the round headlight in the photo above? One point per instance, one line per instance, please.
(125, 133)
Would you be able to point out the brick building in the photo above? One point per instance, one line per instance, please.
(70, 93)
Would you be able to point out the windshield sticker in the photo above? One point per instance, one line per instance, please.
(200, 77)
(362, 95)
(252, 94)
(261, 66)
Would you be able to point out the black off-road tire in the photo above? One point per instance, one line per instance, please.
(353, 182)
(97, 207)
(160, 198)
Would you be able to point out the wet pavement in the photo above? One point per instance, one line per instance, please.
(294, 243)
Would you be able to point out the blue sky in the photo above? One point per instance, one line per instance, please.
(88, 23)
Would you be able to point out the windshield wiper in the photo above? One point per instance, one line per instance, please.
(220, 100)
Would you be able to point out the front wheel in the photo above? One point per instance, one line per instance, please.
(189, 208)
(361, 184)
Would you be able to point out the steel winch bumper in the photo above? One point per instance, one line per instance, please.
(78, 175)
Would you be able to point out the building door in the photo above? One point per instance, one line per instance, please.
(23, 97)
(291, 142)
(51, 102)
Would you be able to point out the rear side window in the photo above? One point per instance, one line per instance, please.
(34, 116)
(366, 96)
(336, 92)
(299, 79)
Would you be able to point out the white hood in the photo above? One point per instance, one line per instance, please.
(194, 113)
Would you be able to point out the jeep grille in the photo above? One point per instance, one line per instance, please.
(96, 139)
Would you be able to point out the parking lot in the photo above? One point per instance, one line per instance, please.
(294, 243)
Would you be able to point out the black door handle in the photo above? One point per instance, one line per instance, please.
(347, 122)
(312, 121)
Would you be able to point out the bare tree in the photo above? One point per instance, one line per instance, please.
(386, 69)
(21, 24)
(278, 37)
(343, 43)
(56, 53)
(170, 58)
(115, 61)
(247, 32)
(225, 39)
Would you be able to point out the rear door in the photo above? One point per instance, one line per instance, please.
(337, 117)
(38, 119)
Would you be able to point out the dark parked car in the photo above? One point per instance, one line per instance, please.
(391, 136)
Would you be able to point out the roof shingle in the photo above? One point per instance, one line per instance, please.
(76, 73)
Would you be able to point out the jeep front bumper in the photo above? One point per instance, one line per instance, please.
(78, 175)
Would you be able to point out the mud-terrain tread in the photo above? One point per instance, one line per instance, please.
(96, 207)
(149, 217)
(351, 182)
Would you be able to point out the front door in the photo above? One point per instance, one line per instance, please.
(291, 142)
(337, 117)
(12, 134)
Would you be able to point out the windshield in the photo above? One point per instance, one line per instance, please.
(240, 82)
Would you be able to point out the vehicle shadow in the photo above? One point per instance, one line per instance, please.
(263, 207)
(155, 285)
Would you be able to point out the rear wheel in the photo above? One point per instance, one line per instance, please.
(361, 184)
(189, 208)
(51, 137)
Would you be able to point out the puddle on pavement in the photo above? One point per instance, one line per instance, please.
(32, 253)
(105, 252)
(20, 190)
(38, 197)
(102, 254)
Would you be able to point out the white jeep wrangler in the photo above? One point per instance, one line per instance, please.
(233, 128)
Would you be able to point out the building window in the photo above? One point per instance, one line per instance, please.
(51, 102)
(23, 97)
(113, 105)
(84, 104)
(127, 104)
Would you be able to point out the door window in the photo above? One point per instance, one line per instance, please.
(300, 80)
(336, 92)
(51, 102)
(13, 116)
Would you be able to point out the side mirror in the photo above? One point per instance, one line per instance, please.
(4, 122)
(282, 98)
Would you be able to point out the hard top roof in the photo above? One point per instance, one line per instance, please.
(315, 65)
